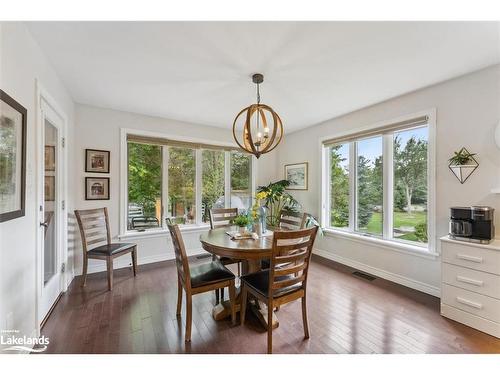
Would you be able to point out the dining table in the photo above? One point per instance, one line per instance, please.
(250, 252)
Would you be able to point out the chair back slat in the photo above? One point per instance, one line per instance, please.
(290, 258)
(293, 220)
(181, 259)
(222, 217)
(289, 269)
(289, 219)
(94, 227)
(278, 285)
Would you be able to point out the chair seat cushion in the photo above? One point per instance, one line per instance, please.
(260, 282)
(209, 273)
(111, 249)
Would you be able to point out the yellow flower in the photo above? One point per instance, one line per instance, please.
(261, 195)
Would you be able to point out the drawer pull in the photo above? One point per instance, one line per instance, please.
(470, 281)
(470, 258)
(470, 303)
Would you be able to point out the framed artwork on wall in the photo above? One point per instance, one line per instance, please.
(296, 175)
(96, 161)
(12, 158)
(96, 188)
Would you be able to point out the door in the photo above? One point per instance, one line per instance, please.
(51, 210)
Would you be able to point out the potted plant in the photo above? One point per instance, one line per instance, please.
(241, 221)
(462, 157)
(277, 199)
(462, 164)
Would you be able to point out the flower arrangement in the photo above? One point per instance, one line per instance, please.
(255, 208)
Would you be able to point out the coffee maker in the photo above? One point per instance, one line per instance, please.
(472, 224)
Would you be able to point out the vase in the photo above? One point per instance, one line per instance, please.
(263, 218)
(257, 228)
(242, 230)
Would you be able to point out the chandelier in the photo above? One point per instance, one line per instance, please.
(262, 127)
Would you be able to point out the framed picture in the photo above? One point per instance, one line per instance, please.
(12, 158)
(96, 161)
(96, 188)
(50, 188)
(296, 174)
(50, 158)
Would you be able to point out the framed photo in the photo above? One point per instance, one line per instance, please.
(96, 188)
(96, 161)
(296, 174)
(50, 188)
(50, 158)
(12, 158)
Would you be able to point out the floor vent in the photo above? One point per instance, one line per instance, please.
(364, 276)
(203, 256)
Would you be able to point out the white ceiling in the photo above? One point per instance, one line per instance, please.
(200, 71)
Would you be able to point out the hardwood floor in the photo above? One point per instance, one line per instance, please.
(347, 314)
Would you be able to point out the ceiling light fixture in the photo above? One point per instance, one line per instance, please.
(259, 135)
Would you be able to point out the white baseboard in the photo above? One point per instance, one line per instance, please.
(126, 261)
(395, 278)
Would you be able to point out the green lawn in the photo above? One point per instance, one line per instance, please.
(401, 219)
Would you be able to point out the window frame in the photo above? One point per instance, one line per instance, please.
(124, 232)
(386, 239)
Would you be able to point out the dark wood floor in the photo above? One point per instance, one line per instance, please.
(347, 314)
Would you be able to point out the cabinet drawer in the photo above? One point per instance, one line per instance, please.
(474, 303)
(471, 256)
(475, 281)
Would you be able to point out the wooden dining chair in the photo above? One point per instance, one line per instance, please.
(291, 220)
(198, 279)
(219, 218)
(96, 242)
(285, 280)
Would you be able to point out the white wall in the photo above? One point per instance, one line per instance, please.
(467, 112)
(99, 128)
(21, 63)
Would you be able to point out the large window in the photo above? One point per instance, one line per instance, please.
(144, 182)
(377, 184)
(182, 182)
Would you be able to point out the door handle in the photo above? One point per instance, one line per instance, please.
(469, 281)
(467, 302)
(470, 258)
(46, 225)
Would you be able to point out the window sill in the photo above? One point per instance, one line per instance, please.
(162, 232)
(385, 244)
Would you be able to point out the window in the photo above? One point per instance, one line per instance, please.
(241, 194)
(213, 182)
(377, 183)
(369, 186)
(144, 182)
(339, 192)
(181, 185)
(182, 181)
(410, 185)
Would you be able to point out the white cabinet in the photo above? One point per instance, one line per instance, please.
(470, 290)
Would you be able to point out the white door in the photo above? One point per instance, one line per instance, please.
(51, 209)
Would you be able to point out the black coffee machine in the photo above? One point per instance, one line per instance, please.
(473, 224)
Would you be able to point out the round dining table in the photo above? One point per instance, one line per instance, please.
(250, 251)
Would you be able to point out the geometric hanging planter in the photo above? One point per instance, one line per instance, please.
(463, 164)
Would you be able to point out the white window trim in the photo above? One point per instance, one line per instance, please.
(324, 193)
(162, 231)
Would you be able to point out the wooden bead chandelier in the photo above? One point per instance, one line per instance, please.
(262, 127)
